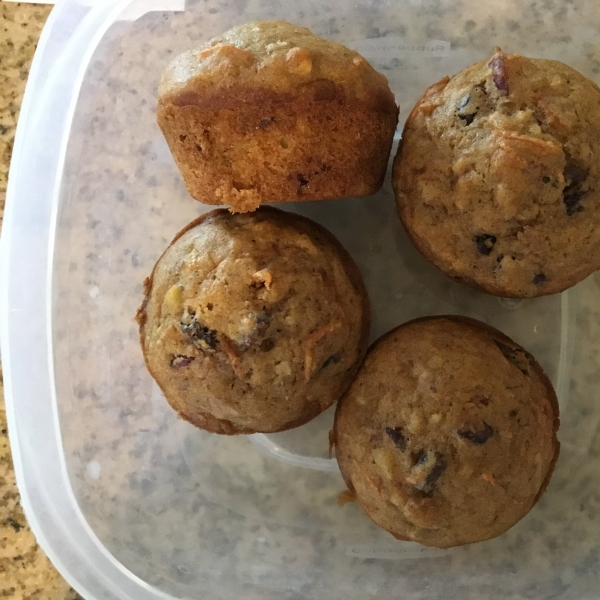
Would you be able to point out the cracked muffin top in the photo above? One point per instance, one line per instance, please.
(253, 322)
(496, 178)
(274, 57)
(447, 435)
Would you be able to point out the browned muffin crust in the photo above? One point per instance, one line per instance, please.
(497, 177)
(253, 322)
(447, 435)
(269, 112)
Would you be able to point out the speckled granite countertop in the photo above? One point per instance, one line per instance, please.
(25, 571)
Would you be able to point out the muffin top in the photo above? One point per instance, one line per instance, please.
(448, 433)
(253, 322)
(497, 177)
(275, 61)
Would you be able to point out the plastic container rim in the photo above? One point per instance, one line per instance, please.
(56, 69)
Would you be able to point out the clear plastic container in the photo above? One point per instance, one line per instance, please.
(131, 503)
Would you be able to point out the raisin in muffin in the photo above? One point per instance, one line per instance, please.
(497, 176)
(447, 435)
(269, 112)
(254, 322)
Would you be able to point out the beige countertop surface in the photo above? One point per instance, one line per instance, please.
(25, 571)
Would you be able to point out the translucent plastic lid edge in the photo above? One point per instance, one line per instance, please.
(65, 48)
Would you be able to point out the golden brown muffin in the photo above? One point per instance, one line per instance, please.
(497, 176)
(268, 112)
(447, 435)
(253, 322)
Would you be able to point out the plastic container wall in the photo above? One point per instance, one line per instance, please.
(130, 502)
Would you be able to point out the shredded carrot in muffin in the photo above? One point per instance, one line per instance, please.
(309, 346)
(232, 357)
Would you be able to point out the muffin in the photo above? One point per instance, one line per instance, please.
(497, 176)
(253, 322)
(268, 112)
(447, 435)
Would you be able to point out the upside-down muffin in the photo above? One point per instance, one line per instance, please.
(269, 112)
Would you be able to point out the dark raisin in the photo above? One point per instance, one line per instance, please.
(396, 434)
(182, 137)
(572, 200)
(499, 73)
(199, 147)
(303, 182)
(485, 243)
(539, 279)
(439, 465)
(179, 361)
(576, 175)
(334, 359)
(516, 356)
(202, 337)
(436, 473)
(574, 172)
(267, 345)
(477, 437)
